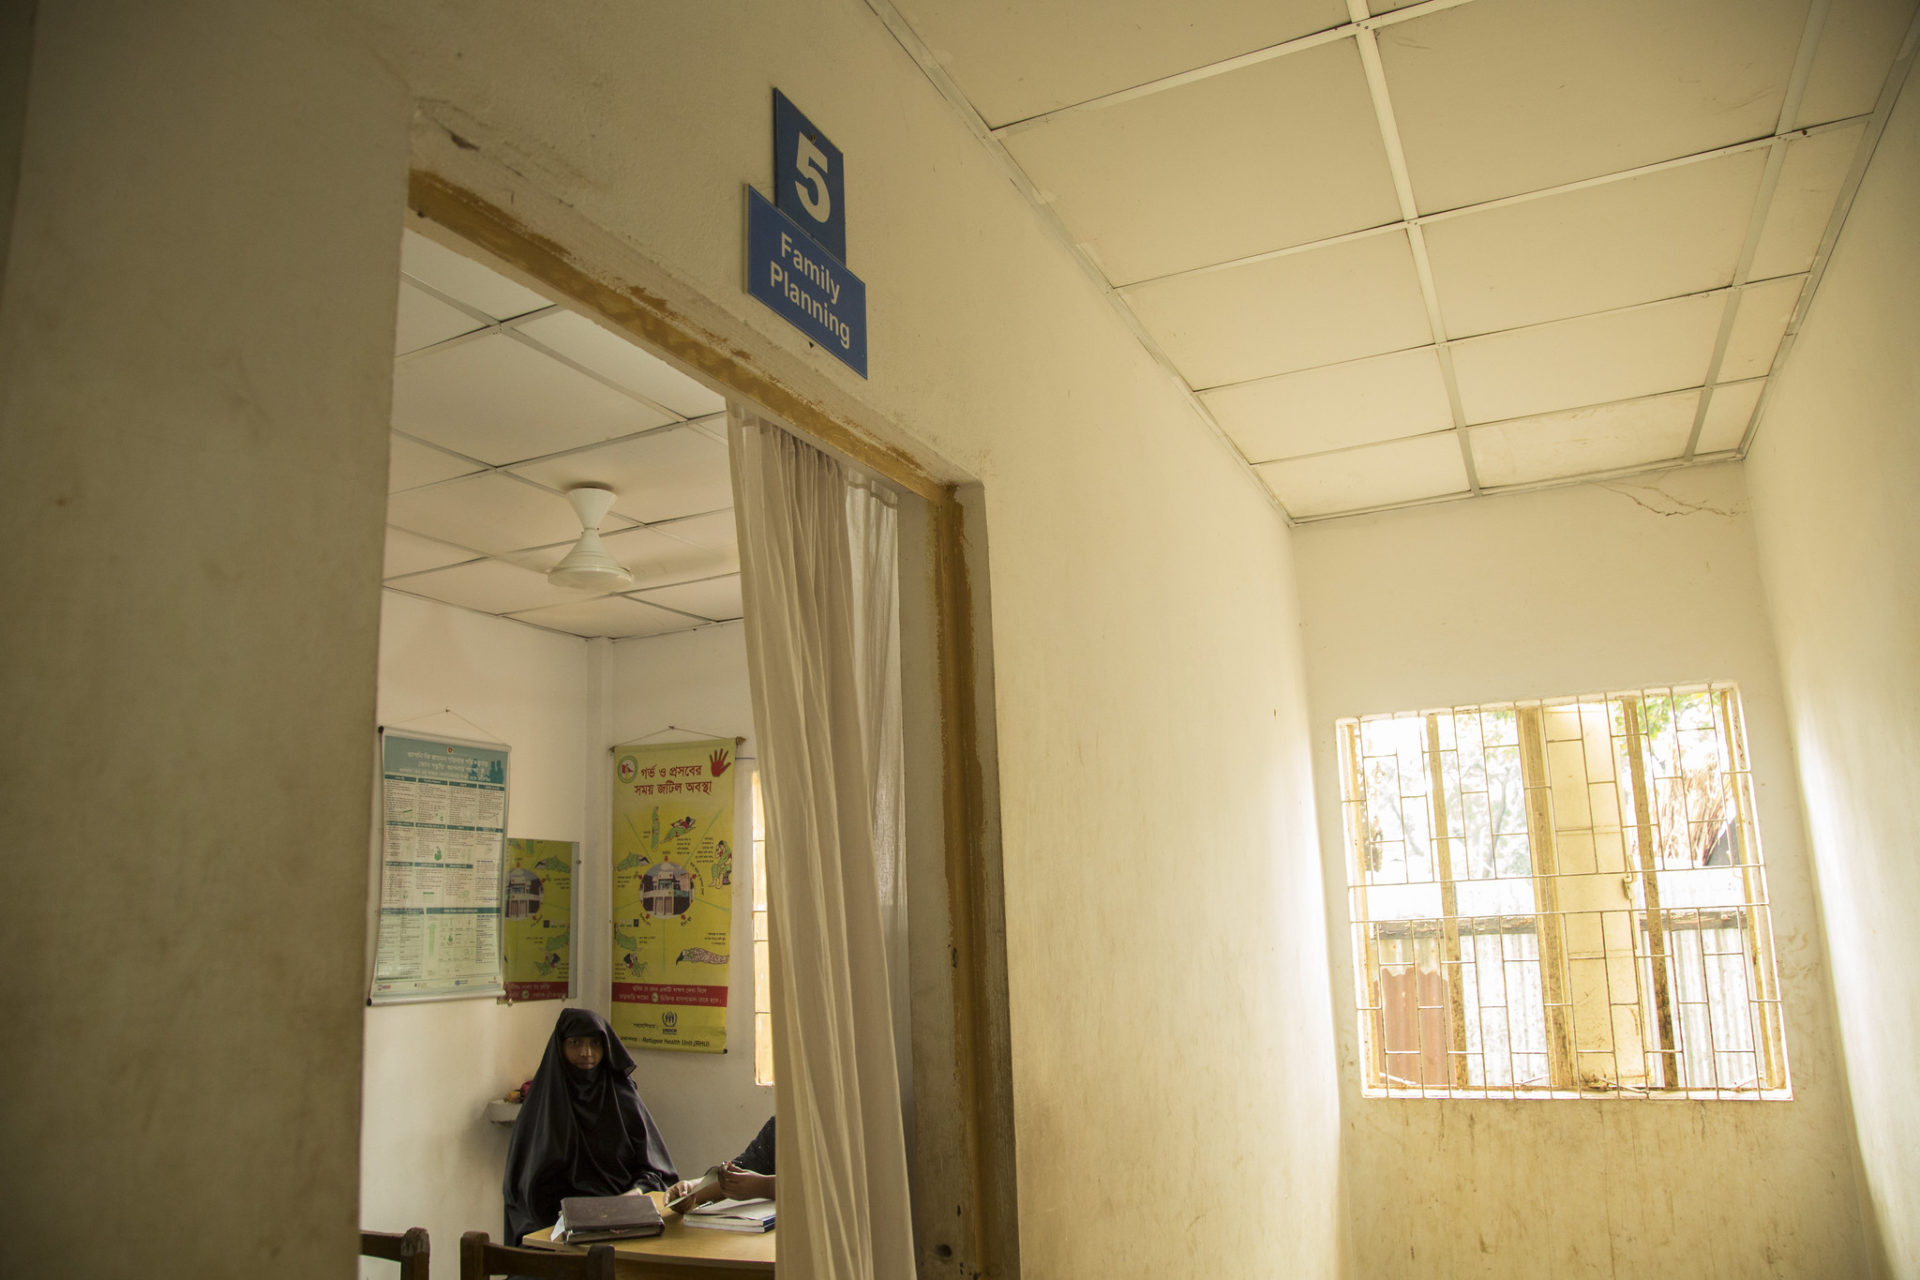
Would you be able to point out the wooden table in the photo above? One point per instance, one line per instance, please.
(684, 1253)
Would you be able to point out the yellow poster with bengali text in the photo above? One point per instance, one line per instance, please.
(537, 936)
(672, 894)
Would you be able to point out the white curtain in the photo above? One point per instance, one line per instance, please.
(820, 581)
(874, 540)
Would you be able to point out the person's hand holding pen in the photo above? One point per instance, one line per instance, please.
(737, 1183)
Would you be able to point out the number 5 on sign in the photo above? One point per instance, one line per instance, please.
(808, 183)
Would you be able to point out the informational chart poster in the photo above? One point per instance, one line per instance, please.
(537, 932)
(672, 894)
(444, 807)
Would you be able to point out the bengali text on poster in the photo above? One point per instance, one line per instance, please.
(672, 894)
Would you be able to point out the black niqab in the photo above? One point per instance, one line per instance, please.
(580, 1133)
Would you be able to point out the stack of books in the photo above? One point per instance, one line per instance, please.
(733, 1215)
(592, 1219)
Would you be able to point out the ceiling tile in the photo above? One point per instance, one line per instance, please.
(707, 546)
(1615, 355)
(1856, 49)
(654, 558)
(424, 320)
(1613, 245)
(678, 472)
(1296, 311)
(715, 598)
(491, 512)
(465, 280)
(1603, 438)
(1018, 60)
(1336, 406)
(502, 401)
(1374, 476)
(491, 586)
(411, 553)
(716, 529)
(620, 361)
(1503, 96)
(1728, 413)
(1758, 327)
(411, 464)
(614, 616)
(1803, 199)
(1276, 154)
(714, 428)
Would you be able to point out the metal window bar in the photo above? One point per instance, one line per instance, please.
(1546, 892)
(1602, 984)
(1366, 952)
(1667, 1051)
(1757, 919)
(1449, 908)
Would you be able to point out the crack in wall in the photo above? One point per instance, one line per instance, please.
(1671, 504)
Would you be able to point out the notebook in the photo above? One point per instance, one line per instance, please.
(733, 1215)
(587, 1219)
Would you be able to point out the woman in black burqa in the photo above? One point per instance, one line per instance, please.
(583, 1130)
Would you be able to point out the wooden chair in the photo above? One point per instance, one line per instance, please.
(481, 1259)
(409, 1249)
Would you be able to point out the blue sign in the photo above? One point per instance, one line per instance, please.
(806, 285)
(808, 185)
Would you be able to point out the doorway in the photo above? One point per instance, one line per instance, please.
(644, 358)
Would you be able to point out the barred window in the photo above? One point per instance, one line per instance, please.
(1562, 897)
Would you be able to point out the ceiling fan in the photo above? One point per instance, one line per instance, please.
(588, 566)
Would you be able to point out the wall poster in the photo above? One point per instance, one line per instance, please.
(672, 893)
(537, 934)
(443, 833)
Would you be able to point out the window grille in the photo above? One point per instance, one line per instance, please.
(1562, 897)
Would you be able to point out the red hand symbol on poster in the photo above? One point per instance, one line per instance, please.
(718, 762)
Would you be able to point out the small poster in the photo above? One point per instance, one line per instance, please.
(443, 834)
(538, 928)
(672, 894)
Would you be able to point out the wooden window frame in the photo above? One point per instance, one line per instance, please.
(1661, 1045)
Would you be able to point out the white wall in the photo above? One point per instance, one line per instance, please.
(1572, 591)
(707, 1105)
(1145, 630)
(427, 1156)
(195, 352)
(1833, 473)
(206, 221)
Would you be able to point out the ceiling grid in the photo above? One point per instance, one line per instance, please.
(1628, 211)
(1525, 197)
(929, 66)
(1355, 26)
(1757, 224)
(1416, 235)
(484, 451)
(1587, 163)
(514, 328)
(1849, 187)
